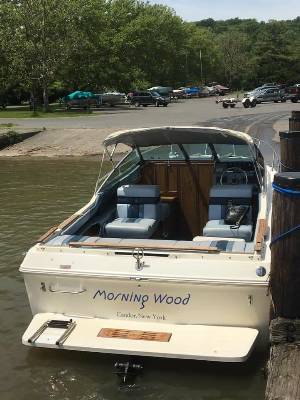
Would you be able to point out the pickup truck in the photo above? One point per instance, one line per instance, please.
(293, 93)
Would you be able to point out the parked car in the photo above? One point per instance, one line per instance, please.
(192, 91)
(259, 89)
(271, 94)
(186, 92)
(147, 98)
(204, 91)
(293, 93)
(221, 90)
(179, 94)
(263, 96)
(164, 91)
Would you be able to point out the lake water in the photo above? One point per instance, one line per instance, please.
(35, 195)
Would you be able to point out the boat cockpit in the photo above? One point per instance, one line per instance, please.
(187, 184)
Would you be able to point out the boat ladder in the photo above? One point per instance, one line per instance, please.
(67, 326)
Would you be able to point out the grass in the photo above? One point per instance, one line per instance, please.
(55, 112)
(8, 125)
(12, 137)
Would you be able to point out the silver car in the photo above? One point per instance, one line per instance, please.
(263, 96)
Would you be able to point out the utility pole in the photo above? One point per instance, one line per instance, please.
(186, 68)
(201, 67)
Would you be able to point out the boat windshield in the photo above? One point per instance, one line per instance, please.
(165, 152)
(173, 152)
(198, 151)
(233, 152)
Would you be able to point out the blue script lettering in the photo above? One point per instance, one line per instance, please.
(132, 297)
(142, 299)
(164, 298)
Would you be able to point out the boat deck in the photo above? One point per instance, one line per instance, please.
(199, 342)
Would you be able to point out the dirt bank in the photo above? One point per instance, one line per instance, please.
(11, 136)
(60, 142)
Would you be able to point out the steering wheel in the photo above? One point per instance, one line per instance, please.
(235, 170)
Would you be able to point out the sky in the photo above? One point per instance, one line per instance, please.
(262, 10)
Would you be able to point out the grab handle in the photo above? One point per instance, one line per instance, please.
(66, 291)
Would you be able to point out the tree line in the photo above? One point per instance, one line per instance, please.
(57, 46)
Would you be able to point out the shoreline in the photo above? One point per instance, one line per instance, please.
(61, 143)
(86, 142)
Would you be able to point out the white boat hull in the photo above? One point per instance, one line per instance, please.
(180, 303)
(131, 301)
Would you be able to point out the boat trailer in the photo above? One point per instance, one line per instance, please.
(228, 102)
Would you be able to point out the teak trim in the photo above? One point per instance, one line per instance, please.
(45, 236)
(145, 246)
(65, 223)
(114, 333)
(261, 233)
(69, 220)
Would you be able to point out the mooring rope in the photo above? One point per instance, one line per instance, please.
(285, 234)
(290, 193)
(286, 192)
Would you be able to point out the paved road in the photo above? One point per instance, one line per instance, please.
(188, 112)
(83, 135)
(263, 126)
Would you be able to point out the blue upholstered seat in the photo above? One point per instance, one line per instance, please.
(220, 197)
(138, 212)
(218, 228)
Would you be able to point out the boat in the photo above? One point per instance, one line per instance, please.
(113, 98)
(170, 257)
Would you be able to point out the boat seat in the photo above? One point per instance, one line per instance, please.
(221, 196)
(228, 245)
(138, 212)
(218, 228)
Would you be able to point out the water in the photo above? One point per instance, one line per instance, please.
(35, 195)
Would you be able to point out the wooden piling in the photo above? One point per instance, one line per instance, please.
(285, 256)
(294, 121)
(290, 150)
(290, 144)
(284, 362)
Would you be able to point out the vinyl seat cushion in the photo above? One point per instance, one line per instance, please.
(139, 228)
(218, 228)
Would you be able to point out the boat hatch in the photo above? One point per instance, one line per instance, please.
(199, 342)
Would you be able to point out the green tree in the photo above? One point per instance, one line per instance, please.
(234, 56)
(277, 53)
(42, 35)
(203, 54)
